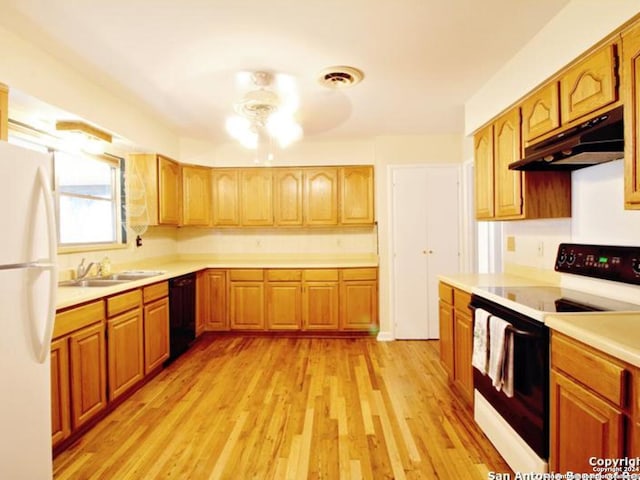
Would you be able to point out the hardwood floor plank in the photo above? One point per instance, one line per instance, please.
(289, 408)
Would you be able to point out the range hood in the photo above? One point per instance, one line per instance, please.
(598, 140)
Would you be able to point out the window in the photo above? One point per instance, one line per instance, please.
(89, 199)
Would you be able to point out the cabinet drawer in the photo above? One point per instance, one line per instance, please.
(284, 275)
(79, 317)
(256, 275)
(461, 299)
(580, 362)
(322, 275)
(155, 291)
(445, 292)
(360, 274)
(123, 302)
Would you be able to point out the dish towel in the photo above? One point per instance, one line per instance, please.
(480, 357)
(507, 364)
(497, 350)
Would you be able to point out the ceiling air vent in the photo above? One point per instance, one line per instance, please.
(340, 77)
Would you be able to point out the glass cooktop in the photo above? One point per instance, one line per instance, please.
(556, 299)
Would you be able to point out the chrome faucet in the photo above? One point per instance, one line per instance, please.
(82, 270)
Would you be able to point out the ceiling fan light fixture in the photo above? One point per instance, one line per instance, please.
(340, 77)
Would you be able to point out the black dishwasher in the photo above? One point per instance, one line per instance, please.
(182, 314)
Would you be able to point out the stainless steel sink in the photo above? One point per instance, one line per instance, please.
(132, 275)
(92, 282)
(113, 279)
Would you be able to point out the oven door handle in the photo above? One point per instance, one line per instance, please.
(522, 333)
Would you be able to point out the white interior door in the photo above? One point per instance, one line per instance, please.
(425, 238)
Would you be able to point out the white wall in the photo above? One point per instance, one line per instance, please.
(580, 25)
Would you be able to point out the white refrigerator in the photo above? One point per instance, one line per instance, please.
(28, 282)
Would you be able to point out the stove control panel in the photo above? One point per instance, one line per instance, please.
(620, 264)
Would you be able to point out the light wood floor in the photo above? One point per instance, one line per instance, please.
(263, 408)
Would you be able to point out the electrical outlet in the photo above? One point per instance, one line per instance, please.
(511, 243)
(540, 248)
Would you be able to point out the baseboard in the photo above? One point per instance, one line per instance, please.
(385, 337)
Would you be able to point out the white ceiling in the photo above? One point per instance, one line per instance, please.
(422, 59)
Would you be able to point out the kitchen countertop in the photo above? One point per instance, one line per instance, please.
(70, 296)
(614, 333)
(469, 281)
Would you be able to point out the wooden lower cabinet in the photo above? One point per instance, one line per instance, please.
(211, 294)
(60, 395)
(87, 358)
(359, 299)
(589, 405)
(125, 352)
(156, 334)
(446, 336)
(456, 338)
(320, 307)
(246, 300)
(463, 351)
(284, 299)
(582, 426)
(323, 299)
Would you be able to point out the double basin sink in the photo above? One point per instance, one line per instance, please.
(113, 279)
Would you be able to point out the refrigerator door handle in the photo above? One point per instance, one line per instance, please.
(43, 346)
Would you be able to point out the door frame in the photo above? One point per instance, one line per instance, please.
(463, 233)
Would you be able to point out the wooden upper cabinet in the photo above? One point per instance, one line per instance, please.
(541, 112)
(196, 195)
(256, 193)
(484, 175)
(4, 112)
(169, 191)
(590, 84)
(321, 196)
(225, 187)
(508, 183)
(631, 99)
(287, 190)
(356, 195)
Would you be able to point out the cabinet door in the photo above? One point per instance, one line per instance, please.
(508, 183)
(4, 112)
(631, 98)
(170, 198)
(356, 195)
(463, 350)
(246, 305)
(196, 196)
(213, 300)
(60, 404)
(541, 112)
(284, 305)
(589, 85)
(156, 334)
(287, 184)
(142, 189)
(446, 336)
(320, 306)
(582, 426)
(87, 357)
(359, 305)
(256, 204)
(321, 196)
(226, 197)
(125, 352)
(484, 173)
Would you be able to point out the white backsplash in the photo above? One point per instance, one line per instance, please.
(270, 241)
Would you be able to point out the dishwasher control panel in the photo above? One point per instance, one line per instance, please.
(620, 264)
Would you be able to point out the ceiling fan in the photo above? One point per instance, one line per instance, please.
(266, 111)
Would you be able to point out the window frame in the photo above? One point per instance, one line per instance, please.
(117, 200)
